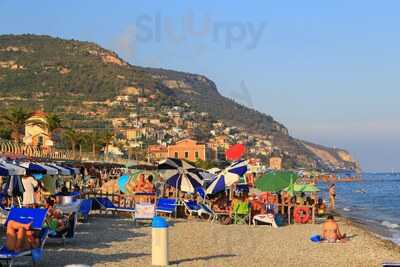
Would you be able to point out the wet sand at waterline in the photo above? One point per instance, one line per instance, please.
(112, 241)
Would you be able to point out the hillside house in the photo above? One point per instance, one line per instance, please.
(188, 149)
(37, 132)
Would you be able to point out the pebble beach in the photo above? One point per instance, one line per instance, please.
(114, 241)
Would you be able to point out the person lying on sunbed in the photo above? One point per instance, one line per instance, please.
(20, 237)
(331, 232)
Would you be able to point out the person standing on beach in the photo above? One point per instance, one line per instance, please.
(29, 183)
(332, 196)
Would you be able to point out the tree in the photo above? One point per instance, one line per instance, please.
(54, 124)
(93, 139)
(73, 138)
(106, 137)
(15, 119)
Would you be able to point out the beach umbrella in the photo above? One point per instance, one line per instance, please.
(227, 177)
(181, 175)
(39, 168)
(13, 169)
(275, 181)
(4, 171)
(61, 170)
(214, 170)
(304, 188)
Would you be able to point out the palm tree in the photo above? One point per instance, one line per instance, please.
(93, 139)
(106, 137)
(15, 119)
(73, 138)
(54, 124)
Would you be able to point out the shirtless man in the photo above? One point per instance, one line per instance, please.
(331, 232)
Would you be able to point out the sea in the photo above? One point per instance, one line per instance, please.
(373, 202)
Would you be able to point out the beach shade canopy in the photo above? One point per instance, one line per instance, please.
(304, 188)
(61, 170)
(39, 168)
(12, 168)
(227, 177)
(235, 152)
(275, 181)
(181, 175)
(4, 171)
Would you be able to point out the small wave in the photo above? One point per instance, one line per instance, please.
(346, 209)
(390, 225)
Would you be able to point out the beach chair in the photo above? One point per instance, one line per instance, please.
(206, 210)
(265, 218)
(85, 208)
(166, 206)
(26, 215)
(106, 204)
(241, 213)
(192, 208)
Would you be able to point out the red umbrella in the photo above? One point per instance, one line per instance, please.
(235, 152)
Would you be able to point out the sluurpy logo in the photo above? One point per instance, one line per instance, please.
(160, 28)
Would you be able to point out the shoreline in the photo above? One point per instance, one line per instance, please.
(374, 230)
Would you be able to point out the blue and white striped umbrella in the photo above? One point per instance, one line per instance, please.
(180, 174)
(4, 171)
(12, 168)
(39, 168)
(61, 170)
(227, 177)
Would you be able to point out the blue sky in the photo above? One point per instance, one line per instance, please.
(327, 69)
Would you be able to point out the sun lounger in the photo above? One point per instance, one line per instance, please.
(206, 210)
(106, 204)
(26, 215)
(166, 206)
(85, 208)
(265, 218)
(192, 208)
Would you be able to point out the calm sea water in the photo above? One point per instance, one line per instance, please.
(375, 202)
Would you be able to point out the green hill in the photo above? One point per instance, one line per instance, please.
(60, 75)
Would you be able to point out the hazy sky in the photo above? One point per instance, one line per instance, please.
(329, 70)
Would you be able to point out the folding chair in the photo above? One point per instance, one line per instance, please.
(241, 213)
(26, 215)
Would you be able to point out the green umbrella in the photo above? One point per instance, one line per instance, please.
(275, 181)
(290, 188)
(305, 188)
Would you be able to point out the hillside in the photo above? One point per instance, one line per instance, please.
(66, 76)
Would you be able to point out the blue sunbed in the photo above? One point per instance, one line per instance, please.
(166, 205)
(85, 208)
(106, 204)
(25, 215)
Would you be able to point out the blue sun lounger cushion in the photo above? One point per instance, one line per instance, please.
(26, 215)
